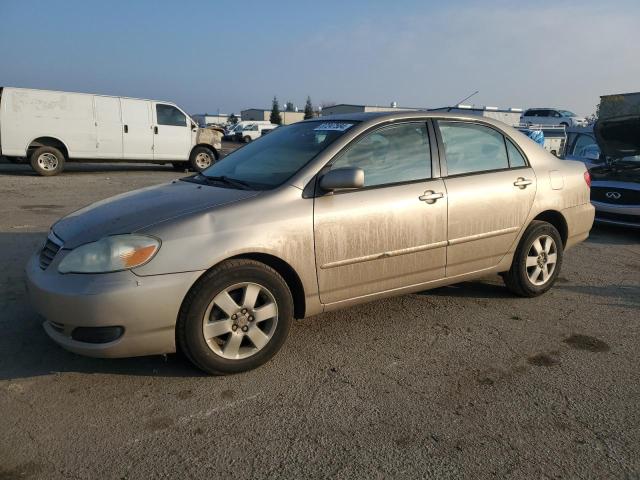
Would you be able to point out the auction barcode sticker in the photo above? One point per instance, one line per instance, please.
(334, 126)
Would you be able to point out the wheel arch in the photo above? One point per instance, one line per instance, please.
(216, 154)
(287, 272)
(556, 219)
(45, 141)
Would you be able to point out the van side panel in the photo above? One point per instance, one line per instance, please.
(137, 137)
(109, 129)
(30, 114)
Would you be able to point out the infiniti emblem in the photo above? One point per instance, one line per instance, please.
(613, 195)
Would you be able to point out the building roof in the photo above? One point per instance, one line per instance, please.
(372, 106)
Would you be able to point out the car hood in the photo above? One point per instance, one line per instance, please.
(139, 209)
(619, 136)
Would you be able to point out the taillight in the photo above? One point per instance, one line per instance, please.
(587, 178)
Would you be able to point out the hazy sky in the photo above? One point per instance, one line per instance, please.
(210, 55)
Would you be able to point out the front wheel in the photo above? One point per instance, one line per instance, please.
(235, 318)
(537, 261)
(47, 161)
(201, 158)
(247, 139)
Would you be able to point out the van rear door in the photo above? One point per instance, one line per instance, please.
(137, 129)
(108, 127)
(172, 133)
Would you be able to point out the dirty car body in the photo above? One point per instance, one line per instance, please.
(313, 217)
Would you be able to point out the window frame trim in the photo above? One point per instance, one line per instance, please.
(157, 118)
(435, 164)
(443, 157)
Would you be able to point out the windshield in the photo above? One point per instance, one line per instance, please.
(271, 160)
(567, 113)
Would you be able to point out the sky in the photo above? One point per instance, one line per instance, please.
(210, 56)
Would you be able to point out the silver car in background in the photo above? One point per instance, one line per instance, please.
(316, 216)
(551, 116)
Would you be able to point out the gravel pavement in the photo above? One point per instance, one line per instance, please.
(465, 381)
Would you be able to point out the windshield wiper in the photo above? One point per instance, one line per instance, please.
(229, 181)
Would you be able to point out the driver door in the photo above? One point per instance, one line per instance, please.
(391, 233)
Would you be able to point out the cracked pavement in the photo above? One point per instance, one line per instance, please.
(465, 381)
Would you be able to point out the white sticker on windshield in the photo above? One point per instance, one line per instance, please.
(334, 126)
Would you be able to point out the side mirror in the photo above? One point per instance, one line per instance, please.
(342, 178)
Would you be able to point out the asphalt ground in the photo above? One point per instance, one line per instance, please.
(465, 381)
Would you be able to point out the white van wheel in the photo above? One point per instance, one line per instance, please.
(47, 161)
(201, 158)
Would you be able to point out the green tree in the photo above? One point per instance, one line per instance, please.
(308, 109)
(289, 107)
(275, 112)
(233, 119)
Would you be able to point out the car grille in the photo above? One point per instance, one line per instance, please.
(49, 251)
(615, 196)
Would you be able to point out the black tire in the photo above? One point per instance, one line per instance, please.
(196, 155)
(47, 161)
(246, 139)
(190, 338)
(517, 278)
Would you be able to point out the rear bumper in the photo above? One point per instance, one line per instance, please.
(579, 222)
(145, 307)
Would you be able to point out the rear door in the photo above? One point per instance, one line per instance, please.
(391, 233)
(172, 133)
(490, 189)
(109, 130)
(137, 128)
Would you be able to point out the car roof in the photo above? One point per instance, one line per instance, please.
(379, 117)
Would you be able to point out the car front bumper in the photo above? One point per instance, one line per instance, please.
(146, 308)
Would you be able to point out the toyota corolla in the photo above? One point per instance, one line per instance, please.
(313, 217)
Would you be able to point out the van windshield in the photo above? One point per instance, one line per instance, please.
(272, 159)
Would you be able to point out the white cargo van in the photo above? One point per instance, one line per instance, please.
(49, 128)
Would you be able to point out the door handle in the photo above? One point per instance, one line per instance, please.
(126, 129)
(430, 196)
(155, 130)
(522, 182)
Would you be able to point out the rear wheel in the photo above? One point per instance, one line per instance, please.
(47, 161)
(537, 261)
(235, 318)
(246, 139)
(201, 158)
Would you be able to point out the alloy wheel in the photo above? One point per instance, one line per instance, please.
(240, 320)
(541, 260)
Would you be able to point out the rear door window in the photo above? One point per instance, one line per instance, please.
(472, 148)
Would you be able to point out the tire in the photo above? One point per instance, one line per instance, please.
(230, 346)
(246, 139)
(530, 281)
(201, 158)
(47, 161)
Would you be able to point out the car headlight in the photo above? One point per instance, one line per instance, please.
(110, 254)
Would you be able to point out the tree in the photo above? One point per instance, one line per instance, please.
(233, 119)
(275, 112)
(593, 118)
(289, 107)
(308, 109)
